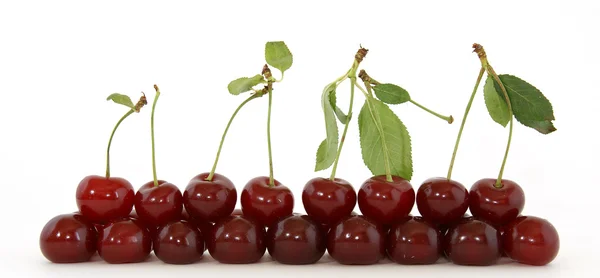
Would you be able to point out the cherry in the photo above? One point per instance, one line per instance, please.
(68, 238)
(356, 240)
(124, 241)
(328, 201)
(531, 240)
(473, 242)
(385, 201)
(210, 200)
(179, 242)
(265, 203)
(414, 241)
(102, 199)
(296, 240)
(496, 205)
(237, 240)
(442, 201)
(158, 205)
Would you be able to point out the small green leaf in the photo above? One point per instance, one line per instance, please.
(327, 150)
(397, 141)
(121, 99)
(278, 55)
(244, 84)
(342, 117)
(496, 105)
(391, 94)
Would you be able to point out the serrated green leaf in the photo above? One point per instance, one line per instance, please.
(530, 107)
(495, 103)
(121, 99)
(342, 117)
(244, 84)
(397, 141)
(391, 94)
(327, 150)
(278, 55)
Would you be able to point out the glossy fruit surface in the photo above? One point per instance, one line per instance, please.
(158, 205)
(473, 243)
(266, 204)
(531, 240)
(68, 238)
(442, 201)
(125, 241)
(179, 242)
(414, 241)
(296, 240)
(237, 240)
(210, 200)
(356, 241)
(326, 201)
(497, 206)
(386, 202)
(102, 199)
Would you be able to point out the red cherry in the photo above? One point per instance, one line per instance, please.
(68, 238)
(473, 243)
(179, 243)
(386, 202)
(237, 240)
(531, 240)
(266, 204)
(102, 199)
(296, 240)
(442, 201)
(326, 201)
(210, 200)
(414, 241)
(356, 240)
(497, 206)
(158, 205)
(125, 241)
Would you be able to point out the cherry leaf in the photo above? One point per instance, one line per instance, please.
(327, 150)
(278, 55)
(391, 94)
(244, 84)
(495, 103)
(121, 99)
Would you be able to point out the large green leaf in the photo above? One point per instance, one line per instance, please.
(342, 117)
(121, 99)
(244, 84)
(327, 150)
(495, 103)
(278, 55)
(391, 94)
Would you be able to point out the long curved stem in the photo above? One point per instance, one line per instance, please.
(448, 119)
(110, 141)
(510, 128)
(337, 158)
(271, 178)
(152, 136)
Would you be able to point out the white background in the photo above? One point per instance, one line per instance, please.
(59, 60)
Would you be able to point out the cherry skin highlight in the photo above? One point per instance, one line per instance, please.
(237, 240)
(497, 206)
(473, 242)
(414, 241)
(531, 240)
(386, 202)
(356, 241)
(125, 241)
(296, 240)
(158, 205)
(210, 200)
(442, 201)
(179, 242)
(327, 202)
(102, 199)
(266, 204)
(68, 238)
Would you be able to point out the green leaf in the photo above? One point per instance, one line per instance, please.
(496, 105)
(342, 117)
(391, 94)
(278, 55)
(530, 107)
(121, 99)
(244, 84)
(327, 150)
(397, 141)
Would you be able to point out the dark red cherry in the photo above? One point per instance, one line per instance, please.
(158, 205)
(68, 238)
(494, 205)
(210, 200)
(237, 240)
(326, 201)
(386, 202)
(296, 240)
(356, 241)
(266, 204)
(125, 241)
(179, 243)
(102, 199)
(442, 201)
(531, 240)
(414, 241)
(473, 243)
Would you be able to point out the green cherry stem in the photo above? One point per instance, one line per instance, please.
(270, 92)
(448, 119)
(152, 135)
(110, 141)
(352, 76)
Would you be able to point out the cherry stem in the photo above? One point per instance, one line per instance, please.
(270, 92)
(352, 76)
(152, 135)
(448, 119)
(464, 120)
(110, 141)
